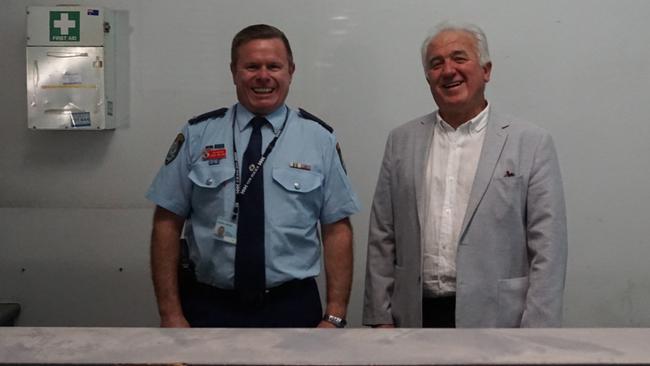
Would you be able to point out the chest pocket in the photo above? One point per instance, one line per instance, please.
(295, 180)
(206, 176)
(505, 198)
(209, 198)
(298, 196)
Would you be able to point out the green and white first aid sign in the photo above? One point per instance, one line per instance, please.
(64, 26)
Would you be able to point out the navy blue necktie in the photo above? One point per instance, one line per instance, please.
(250, 278)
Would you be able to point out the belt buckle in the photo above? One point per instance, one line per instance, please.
(252, 298)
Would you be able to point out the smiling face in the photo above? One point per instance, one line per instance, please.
(455, 76)
(262, 75)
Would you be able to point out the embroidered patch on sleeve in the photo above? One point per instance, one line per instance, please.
(338, 150)
(175, 148)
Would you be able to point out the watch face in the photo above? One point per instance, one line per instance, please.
(338, 322)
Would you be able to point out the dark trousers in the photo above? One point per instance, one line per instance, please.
(295, 304)
(439, 312)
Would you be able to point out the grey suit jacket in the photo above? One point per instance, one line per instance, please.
(512, 249)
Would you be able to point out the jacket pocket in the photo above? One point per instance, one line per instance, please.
(511, 301)
(505, 197)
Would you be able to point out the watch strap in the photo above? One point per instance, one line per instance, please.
(335, 320)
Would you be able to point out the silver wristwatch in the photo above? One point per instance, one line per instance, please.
(338, 322)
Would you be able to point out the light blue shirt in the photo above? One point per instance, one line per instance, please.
(304, 183)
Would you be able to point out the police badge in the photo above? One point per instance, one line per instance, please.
(175, 148)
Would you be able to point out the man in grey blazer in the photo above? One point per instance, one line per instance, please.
(468, 222)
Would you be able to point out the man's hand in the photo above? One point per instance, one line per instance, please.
(174, 322)
(324, 324)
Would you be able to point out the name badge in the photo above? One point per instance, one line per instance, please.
(214, 153)
(226, 230)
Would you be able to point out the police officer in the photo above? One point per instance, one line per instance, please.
(250, 184)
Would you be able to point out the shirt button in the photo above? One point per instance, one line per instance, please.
(209, 181)
(296, 185)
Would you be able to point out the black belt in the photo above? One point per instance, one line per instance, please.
(187, 280)
(441, 297)
(252, 299)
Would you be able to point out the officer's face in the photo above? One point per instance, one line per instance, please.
(262, 75)
(455, 75)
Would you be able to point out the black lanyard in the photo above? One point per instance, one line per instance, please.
(241, 190)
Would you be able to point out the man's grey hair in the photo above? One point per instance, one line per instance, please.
(472, 29)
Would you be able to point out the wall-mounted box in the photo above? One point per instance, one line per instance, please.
(70, 68)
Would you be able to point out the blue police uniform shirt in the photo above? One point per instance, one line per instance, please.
(304, 183)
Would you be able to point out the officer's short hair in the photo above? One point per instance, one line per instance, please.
(257, 31)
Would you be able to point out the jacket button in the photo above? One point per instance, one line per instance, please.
(296, 185)
(209, 181)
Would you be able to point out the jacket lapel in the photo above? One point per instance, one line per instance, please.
(421, 146)
(495, 138)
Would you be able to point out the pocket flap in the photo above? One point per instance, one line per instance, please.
(295, 180)
(211, 177)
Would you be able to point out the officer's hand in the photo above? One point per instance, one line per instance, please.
(324, 324)
(174, 322)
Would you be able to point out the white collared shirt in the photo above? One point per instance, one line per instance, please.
(451, 166)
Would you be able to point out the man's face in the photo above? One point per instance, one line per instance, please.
(262, 75)
(454, 73)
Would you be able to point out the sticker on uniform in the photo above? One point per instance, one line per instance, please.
(175, 148)
(225, 230)
(300, 166)
(214, 153)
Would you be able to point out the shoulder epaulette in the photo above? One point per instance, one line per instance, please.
(306, 115)
(206, 116)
